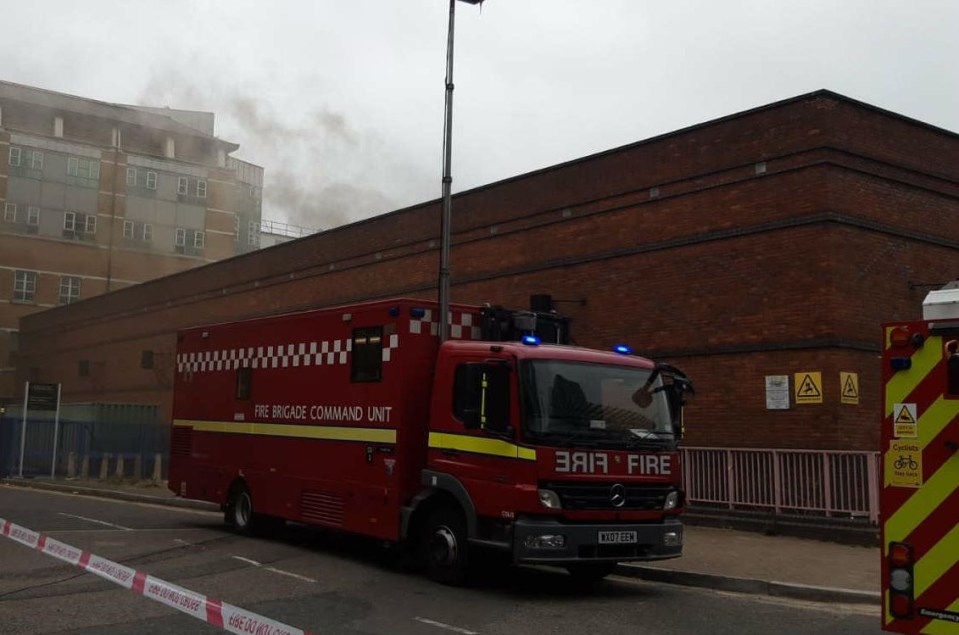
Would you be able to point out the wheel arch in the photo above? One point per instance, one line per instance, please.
(444, 490)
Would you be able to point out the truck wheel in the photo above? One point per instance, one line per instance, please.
(239, 511)
(590, 572)
(444, 547)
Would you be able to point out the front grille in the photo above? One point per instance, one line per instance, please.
(592, 496)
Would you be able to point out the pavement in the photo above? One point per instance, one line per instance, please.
(722, 559)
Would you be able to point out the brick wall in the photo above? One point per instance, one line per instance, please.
(776, 241)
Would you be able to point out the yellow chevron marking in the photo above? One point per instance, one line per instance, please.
(936, 562)
(924, 501)
(931, 423)
(940, 627)
(479, 445)
(333, 433)
(905, 381)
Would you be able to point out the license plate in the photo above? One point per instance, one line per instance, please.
(617, 537)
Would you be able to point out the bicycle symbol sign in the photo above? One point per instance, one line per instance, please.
(904, 464)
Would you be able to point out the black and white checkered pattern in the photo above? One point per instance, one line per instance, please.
(327, 353)
(460, 323)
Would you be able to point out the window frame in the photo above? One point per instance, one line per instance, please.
(9, 212)
(199, 240)
(33, 216)
(72, 290)
(70, 221)
(19, 154)
(128, 225)
(147, 232)
(132, 172)
(25, 285)
(201, 191)
(36, 160)
(179, 237)
(366, 356)
(182, 185)
(90, 224)
(152, 177)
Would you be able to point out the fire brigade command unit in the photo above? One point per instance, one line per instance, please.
(357, 418)
(919, 505)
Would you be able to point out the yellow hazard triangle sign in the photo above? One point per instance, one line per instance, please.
(808, 387)
(905, 416)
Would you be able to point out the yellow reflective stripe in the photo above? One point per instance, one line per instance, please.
(333, 433)
(924, 501)
(930, 424)
(901, 384)
(480, 445)
(936, 562)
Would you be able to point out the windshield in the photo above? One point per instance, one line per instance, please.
(572, 403)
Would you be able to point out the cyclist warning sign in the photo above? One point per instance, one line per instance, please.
(905, 420)
(850, 387)
(904, 464)
(808, 387)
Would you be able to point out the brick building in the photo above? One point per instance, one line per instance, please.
(769, 242)
(98, 197)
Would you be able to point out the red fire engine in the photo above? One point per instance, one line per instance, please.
(356, 418)
(919, 506)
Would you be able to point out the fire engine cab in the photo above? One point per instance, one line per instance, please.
(919, 506)
(504, 437)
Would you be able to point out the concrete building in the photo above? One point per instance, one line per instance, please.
(769, 243)
(97, 197)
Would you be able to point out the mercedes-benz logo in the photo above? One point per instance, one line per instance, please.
(617, 495)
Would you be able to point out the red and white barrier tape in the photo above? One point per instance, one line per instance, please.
(221, 614)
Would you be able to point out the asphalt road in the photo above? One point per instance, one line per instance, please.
(334, 584)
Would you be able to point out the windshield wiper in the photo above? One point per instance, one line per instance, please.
(568, 439)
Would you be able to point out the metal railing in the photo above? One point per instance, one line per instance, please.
(790, 482)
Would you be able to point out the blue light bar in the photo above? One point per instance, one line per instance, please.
(622, 349)
(417, 312)
(531, 340)
(394, 311)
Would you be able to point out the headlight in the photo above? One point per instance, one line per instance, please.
(672, 501)
(549, 499)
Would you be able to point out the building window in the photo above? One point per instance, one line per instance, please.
(182, 185)
(33, 216)
(198, 240)
(128, 229)
(69, 289)
(253, 229)
(151, 180)
(147, 232)
(90, 226)
(85, 172)
(70, 221)
(132, 176)
(15, 156)
(36, 160)
(24, 286)
(10, 212)
(180, 239)
(201, 188)
(236, 228)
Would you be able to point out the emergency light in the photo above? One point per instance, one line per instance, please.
(622, 349)
(531, 340)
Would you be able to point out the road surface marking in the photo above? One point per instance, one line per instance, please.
(94, 520)
(206, 609)
(273, 569)
(247, 560)
(455, 629)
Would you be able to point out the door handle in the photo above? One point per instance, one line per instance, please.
(450, 453)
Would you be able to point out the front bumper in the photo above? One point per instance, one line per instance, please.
(582, 541)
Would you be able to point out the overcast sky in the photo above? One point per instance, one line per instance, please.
(341, 101)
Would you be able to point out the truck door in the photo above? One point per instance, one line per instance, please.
(919, 506)
(473, 434)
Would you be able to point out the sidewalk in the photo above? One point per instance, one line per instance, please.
(725, 559)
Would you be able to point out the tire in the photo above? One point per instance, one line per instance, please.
(444, 549)
(239, 510)
(590, 572)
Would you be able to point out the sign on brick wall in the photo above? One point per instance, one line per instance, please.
(808, 387)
